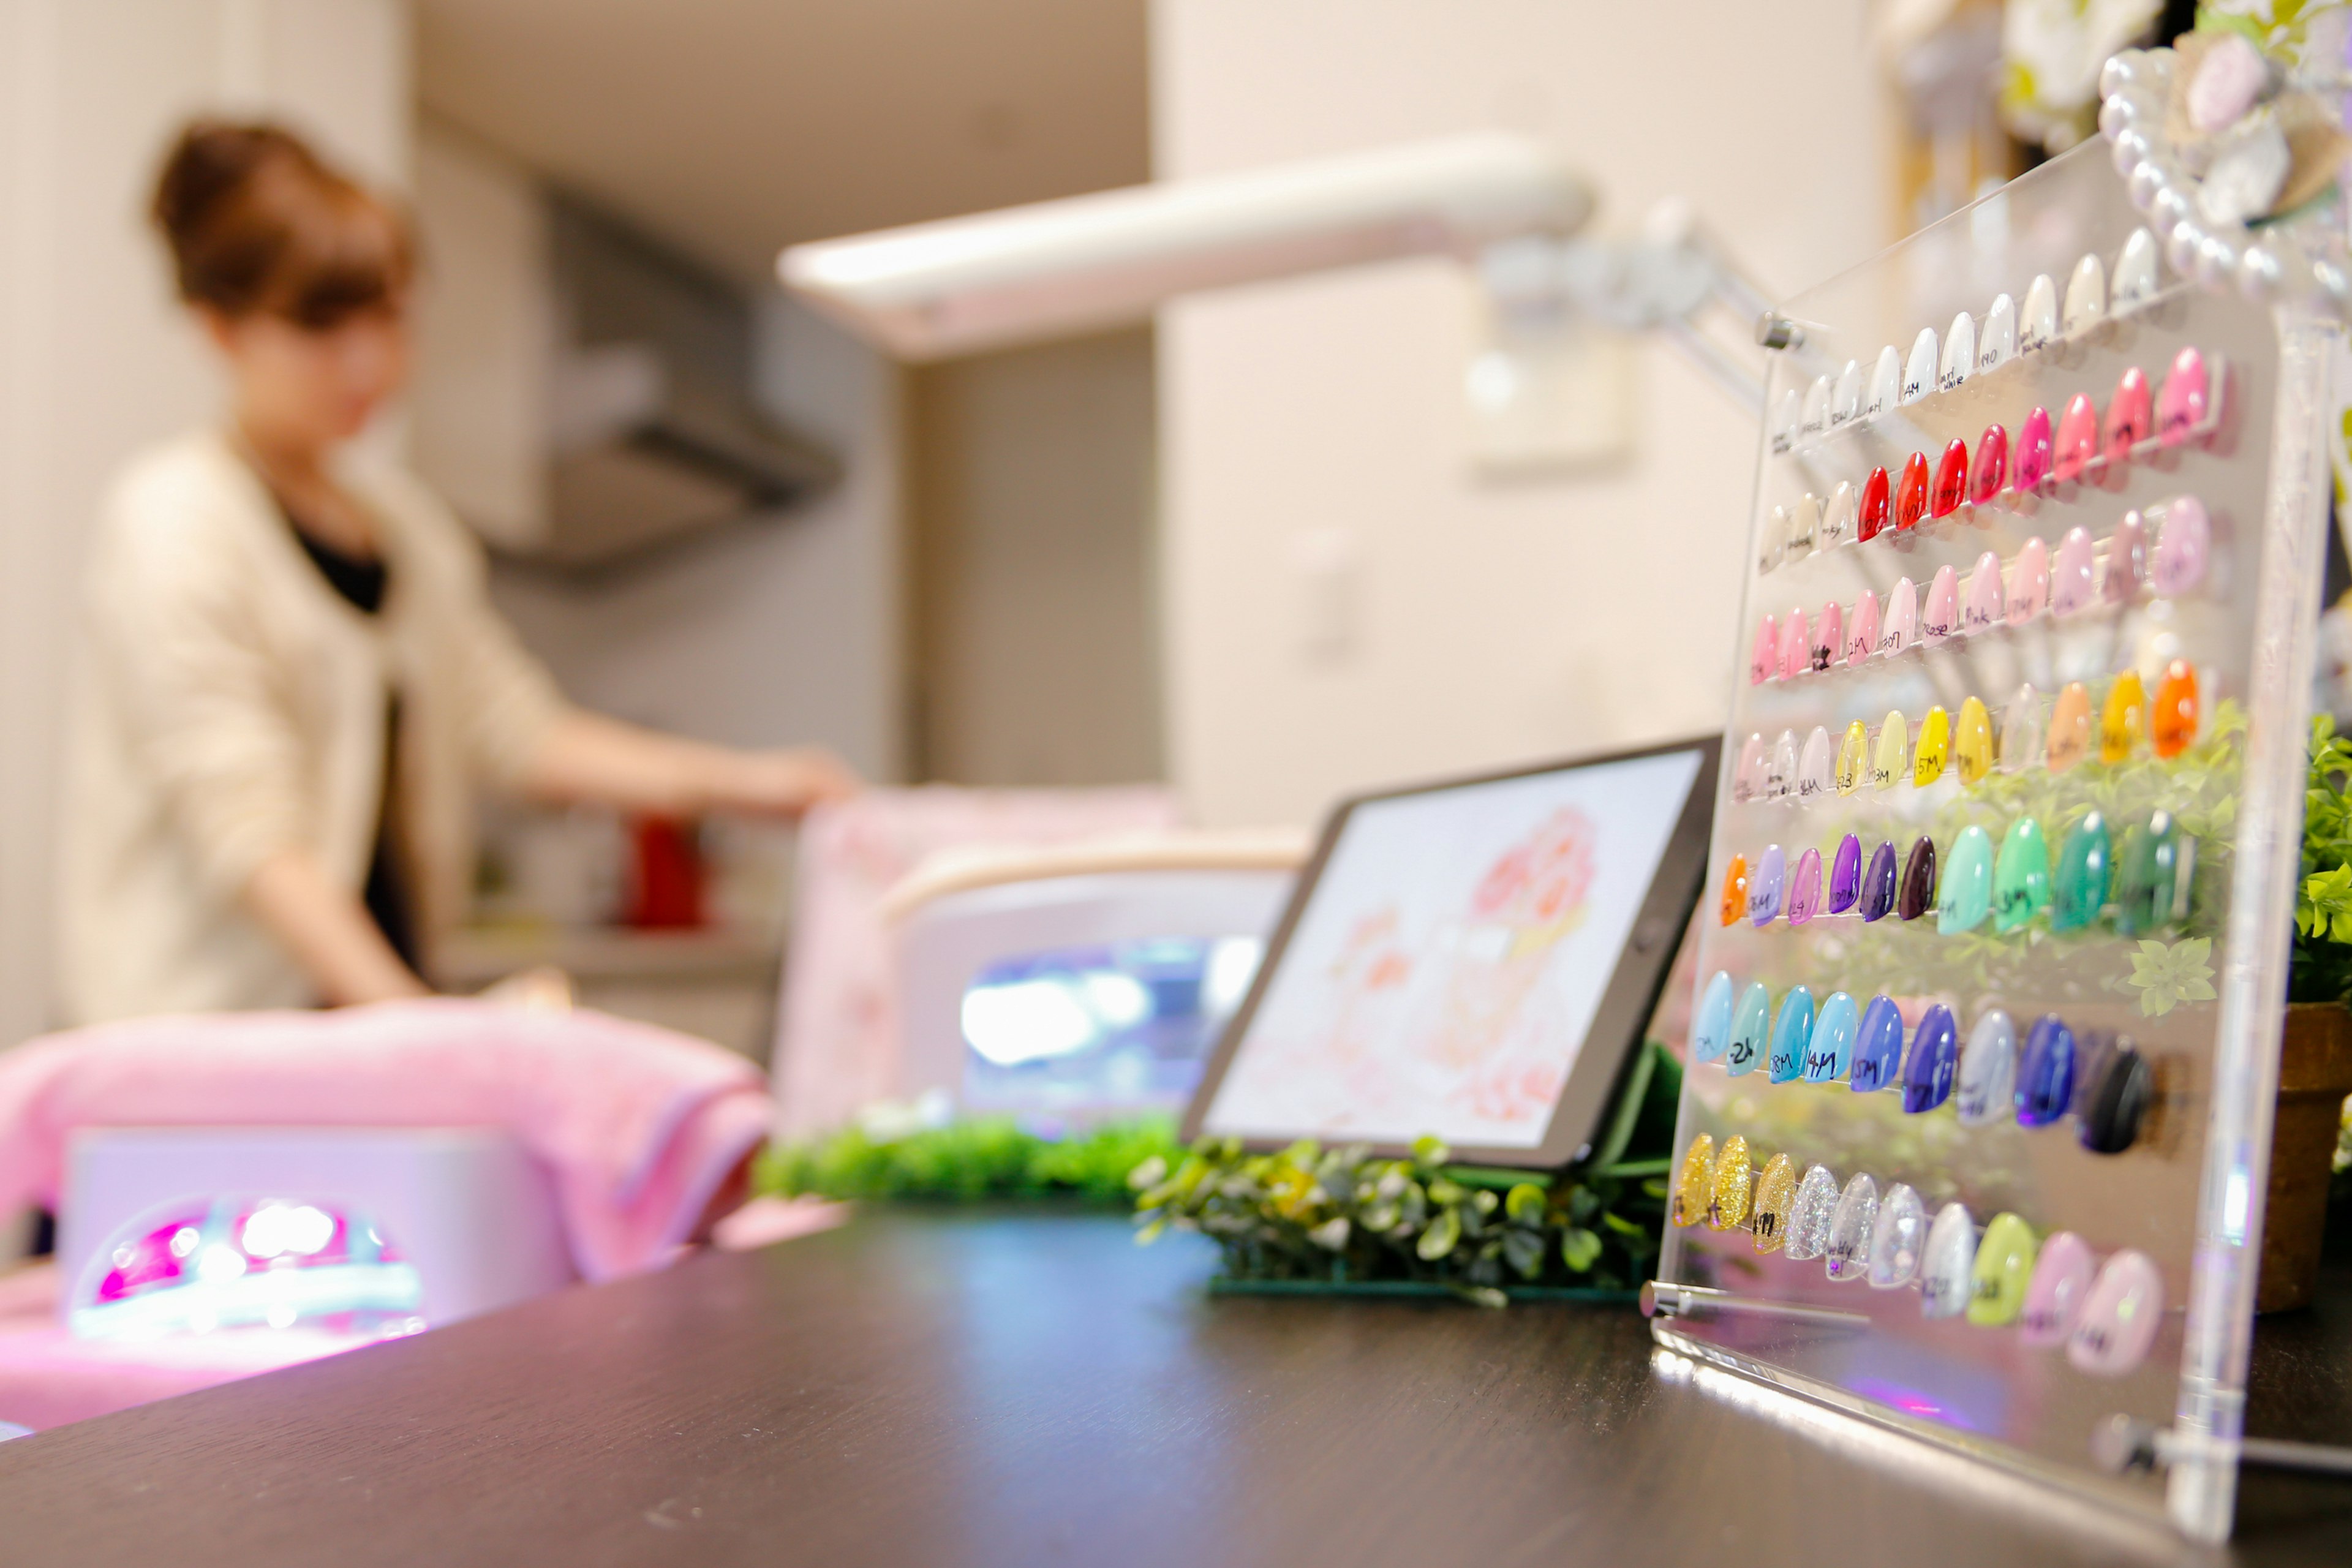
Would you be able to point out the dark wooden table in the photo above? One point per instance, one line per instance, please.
(1024, 1389)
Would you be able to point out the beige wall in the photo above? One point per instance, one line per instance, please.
(1036, 641)
(1491, 622)
(95, 360)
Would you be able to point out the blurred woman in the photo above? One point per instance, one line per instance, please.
(295, 682)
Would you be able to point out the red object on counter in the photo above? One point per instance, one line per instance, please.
(665, 893)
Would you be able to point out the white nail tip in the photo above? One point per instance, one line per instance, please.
(2086, 294)
(1786, 414)
(1960, 352)
(1987, 1077)
(1997, 339)
(1838, 519)
(1846, 1255)
(1897, 1238)
(1919, 372)
(2037, 320)
(2136, 272)
(1845, 404)
(1946, 1264)
(1815, 418)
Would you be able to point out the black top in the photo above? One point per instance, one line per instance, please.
(363, 581)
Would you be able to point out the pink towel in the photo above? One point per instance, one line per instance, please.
(637, 1125)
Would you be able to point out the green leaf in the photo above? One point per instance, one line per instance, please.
(1579, 1248)
(1441, 1237)
(1525, 1203)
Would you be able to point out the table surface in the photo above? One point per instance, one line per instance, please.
(928, 1387)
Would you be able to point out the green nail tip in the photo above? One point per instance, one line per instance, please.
(2147, 872)
(2004, 1265)
(2086, 862)
(2021, 880)
(1965, 896)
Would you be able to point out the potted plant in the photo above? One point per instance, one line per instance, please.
(2316, 1057)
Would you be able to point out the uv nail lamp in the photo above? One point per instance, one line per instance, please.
(1082, 981)
(362, 1230)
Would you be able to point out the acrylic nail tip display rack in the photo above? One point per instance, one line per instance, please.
(1991, 979)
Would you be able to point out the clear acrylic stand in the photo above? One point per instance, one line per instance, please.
(2186, 1194)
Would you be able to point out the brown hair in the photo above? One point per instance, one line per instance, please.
(257, 221)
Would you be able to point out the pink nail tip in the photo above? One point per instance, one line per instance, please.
(2184, 546)
(2070, 585)
(2054, 1297)
(2029, 583)
(1991, 466)
(2078, 438)
(1902, 618)
(2033, 451)
(2126, 560)
(2129, 417)
(2181, 407)
(1983, 610)
(2118, 1322)
(1862, 636)
(1763, 660)
(1941, 617)
(1792, 644)
(1829, 636)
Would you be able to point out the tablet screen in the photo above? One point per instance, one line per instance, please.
(1449, 957)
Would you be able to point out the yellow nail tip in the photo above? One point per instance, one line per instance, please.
(1775, 1188)
(1695, 1189)
(1893, 758)
(1853, 758)
(1972, 750)
(1733, 1174)
(2004, 1268)
(1935, 746)
(2123, 720)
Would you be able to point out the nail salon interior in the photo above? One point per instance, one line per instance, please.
(1175, 782)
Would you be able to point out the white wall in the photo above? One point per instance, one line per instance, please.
(1494, 621)
(779, 631)
(95, 360)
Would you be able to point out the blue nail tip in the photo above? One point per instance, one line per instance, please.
(1830, 1054)
(1878, 883)
(1749, 1028)
(1791, 1033)
(2045, 1072)
(1877, 1046)
(1711, 1021)
(1766, 885)
(1934, 1055)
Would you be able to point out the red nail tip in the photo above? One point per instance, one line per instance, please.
(2130, 416)
(1992, 465)
(2033, 451)
(1911, 491)
(1871, 519)
(1951, 479)
(2078, 437)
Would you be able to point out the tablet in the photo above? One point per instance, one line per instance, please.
(1473, 959)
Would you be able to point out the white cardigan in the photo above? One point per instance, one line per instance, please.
(231, 705)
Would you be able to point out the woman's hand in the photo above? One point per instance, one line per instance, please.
(785, 783)
(590, 760)
(328, 932)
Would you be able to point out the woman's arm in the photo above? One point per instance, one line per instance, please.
(328, 932)
(585, 758)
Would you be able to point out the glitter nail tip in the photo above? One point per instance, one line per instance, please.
(1845, 1254)
(1694, 1186)
(1862, 630)
(2029, 590)
(1733, 1175)
(1793, 1031)
(1996, 339)
(1809, 1214)
(1988, 1081)
(1751, 1025)
(2086, 295)
(1885, 383)
(1805, 888)
(1710, 1034)
(1947, 1262)
(2126, 560)
(1959, 361)
(2037, 318)
(1897, 1238)
(2004, 1265)
(1877, 1046)
(1878, 885)
(2045, 1072)
(1972, 740)
(1768, 1214)
(1814, 780)
(2136, 272)
(1845, 873)
(1939, 618)
(2184, 545)
(1828, 1056)
(1934, 1057)
(2119, 1318)
(1982, 610)
(1989, 468)
(2056, 1291)
(1766, 885)
(1919, 370)
(2021, 878)
(1965, 896)
(2032, 459)
(1899, 625)
(2078, 888)
(1918, 892)
(2181, 407)
(2072, 588)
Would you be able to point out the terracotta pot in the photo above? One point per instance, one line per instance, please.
(2315, 1075)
